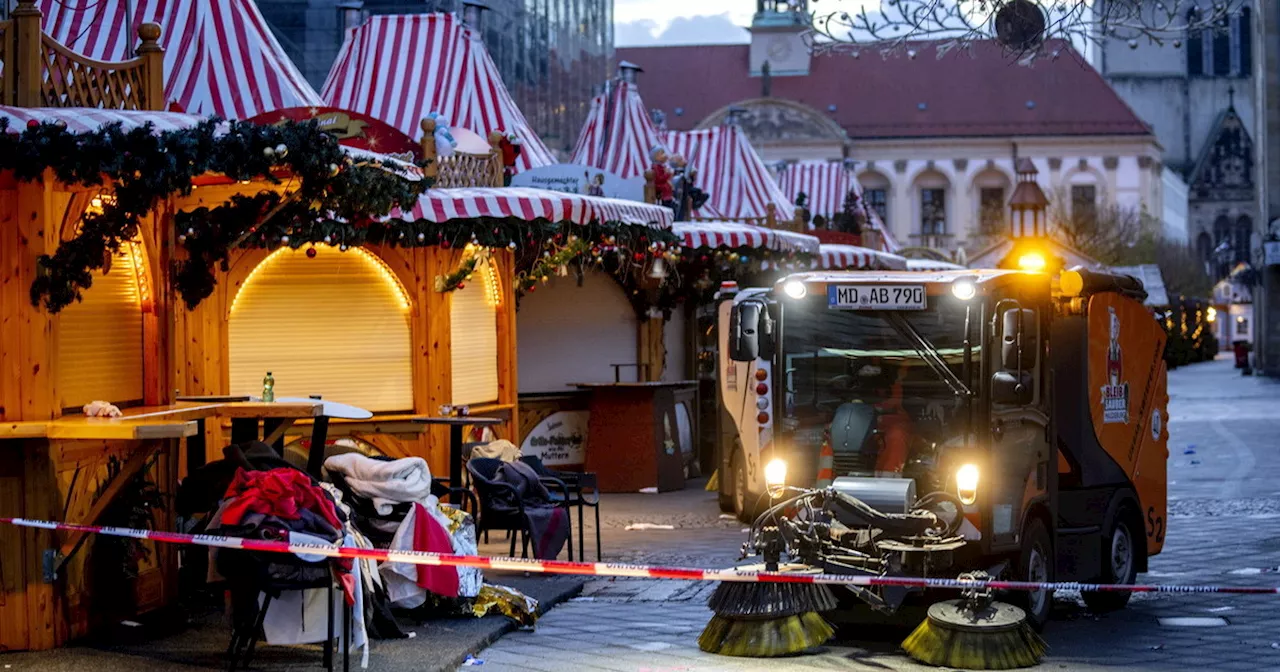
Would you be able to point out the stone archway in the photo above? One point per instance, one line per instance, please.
(784, 129)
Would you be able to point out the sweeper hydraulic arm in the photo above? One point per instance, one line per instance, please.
(943, 423)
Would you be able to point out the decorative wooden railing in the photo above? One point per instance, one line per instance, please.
(461, 169)
(37, 71)
(6, 56)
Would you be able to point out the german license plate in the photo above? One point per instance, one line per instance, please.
(876, 297)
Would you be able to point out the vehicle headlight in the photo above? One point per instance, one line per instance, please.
(967, 483)
(775, 476)
(963, 289)
(795, 289)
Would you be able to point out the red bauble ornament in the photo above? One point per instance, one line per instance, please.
(704, 259)
(33, 124)
(311, 253)
(462, 285)
(533, 288)
(639, 256)
(445, 244)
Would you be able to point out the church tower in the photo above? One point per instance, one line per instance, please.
(777, 38)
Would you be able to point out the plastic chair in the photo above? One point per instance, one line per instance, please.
(483, 471)
(576, 485)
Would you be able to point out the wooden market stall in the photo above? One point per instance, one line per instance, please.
(826, 185)
(421, 324)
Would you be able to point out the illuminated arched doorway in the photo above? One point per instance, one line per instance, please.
(100, 342)
(473, 337)
(335, 324)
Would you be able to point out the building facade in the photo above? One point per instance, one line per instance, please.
(1266, 297)
(552, 54)
(1198, 94)
(933, 140)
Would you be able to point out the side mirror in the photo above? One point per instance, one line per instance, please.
(1018, 332)
(744, 341)
(1012, 388)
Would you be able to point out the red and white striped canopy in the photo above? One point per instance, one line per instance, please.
(740, 234)
(824, 183)
(836, 257)
(87, 120)
(220, 57)
(731, 172)
(441, 205)
(618, 134)
(401, 68)
(932, 265)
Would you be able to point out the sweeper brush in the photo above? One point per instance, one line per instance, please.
(975, 634)
(767, 619)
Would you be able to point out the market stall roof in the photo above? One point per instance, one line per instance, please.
(739, 234)
(220, 57)
(731, 172)
(88, 120)
(825, 185)
(1152, 281)
(846, 257)
(441, 205)
(402, 68)
(932, 265)
(618, 134)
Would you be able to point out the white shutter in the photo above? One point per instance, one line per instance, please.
(100, 339)
(336, 325)
(473, 331)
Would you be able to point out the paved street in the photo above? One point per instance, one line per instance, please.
(1224, 529)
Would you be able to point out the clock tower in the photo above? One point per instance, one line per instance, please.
(777, 37)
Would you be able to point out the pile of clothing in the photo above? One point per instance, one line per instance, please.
(254, 493)
(393, 498)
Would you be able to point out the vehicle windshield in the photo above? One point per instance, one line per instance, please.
(885, 388)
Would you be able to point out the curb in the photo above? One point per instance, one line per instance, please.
(505, 625)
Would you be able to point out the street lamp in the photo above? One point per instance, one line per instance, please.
(1028, 227)
(1028, 205)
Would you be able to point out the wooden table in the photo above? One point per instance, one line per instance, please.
(456, 424)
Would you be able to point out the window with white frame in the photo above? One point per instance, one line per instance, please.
(933, 211)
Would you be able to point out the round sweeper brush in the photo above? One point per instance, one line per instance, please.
(975, 636)
(762, 620)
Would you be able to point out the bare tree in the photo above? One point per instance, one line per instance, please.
(1027, 29)
(1113, 235)
(1184, 272)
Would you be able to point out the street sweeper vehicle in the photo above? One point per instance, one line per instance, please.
(975, 423)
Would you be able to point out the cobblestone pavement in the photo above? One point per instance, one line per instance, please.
(1224, 528)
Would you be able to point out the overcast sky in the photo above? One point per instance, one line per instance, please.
(646, 22)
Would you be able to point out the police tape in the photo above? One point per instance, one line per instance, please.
(612, 569)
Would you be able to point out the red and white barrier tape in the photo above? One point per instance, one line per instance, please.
(611, 569)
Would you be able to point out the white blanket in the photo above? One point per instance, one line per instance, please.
(385, 483)
(399, 481)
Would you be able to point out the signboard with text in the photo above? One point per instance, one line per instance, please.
(559, 439)
(352, 129)
(578, 179)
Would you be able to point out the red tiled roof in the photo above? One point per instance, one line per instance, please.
(979, 92)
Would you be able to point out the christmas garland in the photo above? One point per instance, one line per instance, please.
(458, 278)
(331, 200)
(144, 167)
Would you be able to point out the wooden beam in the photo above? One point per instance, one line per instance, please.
(132, 467)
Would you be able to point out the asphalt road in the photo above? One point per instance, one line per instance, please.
(1224, 528)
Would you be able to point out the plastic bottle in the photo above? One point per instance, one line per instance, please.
(269, 388)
